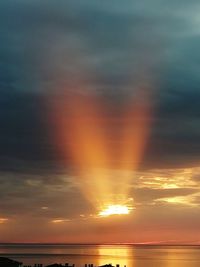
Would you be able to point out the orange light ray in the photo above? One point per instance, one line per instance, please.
(79, 132)
(79, 125)
(136, 129)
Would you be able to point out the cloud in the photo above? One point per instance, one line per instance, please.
(45, 45)
(26, 195)
(112, 49)
(164, 187)
(149, 195)
(196, 175)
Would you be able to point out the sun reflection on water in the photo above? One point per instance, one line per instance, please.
(122, 255)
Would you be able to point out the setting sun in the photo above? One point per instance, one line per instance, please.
(115, 210)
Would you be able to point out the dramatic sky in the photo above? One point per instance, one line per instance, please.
(99, 104)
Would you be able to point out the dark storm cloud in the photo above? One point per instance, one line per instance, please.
(22, 135)
(118, 44)
(175, 135)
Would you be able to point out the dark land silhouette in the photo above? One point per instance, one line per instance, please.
(6, 262)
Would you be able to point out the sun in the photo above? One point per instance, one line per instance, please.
(115, 210)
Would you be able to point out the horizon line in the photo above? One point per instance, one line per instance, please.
(106, 243)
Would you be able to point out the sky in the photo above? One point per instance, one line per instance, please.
(99, 105)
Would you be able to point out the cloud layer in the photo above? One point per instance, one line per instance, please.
(112, 48)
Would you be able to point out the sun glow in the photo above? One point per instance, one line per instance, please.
(3, 220)
(60, 220)
(115, 210)
(98, 144)
(81, 126)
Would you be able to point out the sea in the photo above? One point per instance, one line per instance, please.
(124, 255)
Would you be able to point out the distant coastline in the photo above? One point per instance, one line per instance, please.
(95, 244)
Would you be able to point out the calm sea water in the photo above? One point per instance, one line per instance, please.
(131, 256)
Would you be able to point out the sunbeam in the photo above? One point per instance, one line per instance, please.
(80, 133)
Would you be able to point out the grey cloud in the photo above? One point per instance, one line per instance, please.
(25, 195)
(149, 195)
(196, 200)
(196, 177)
